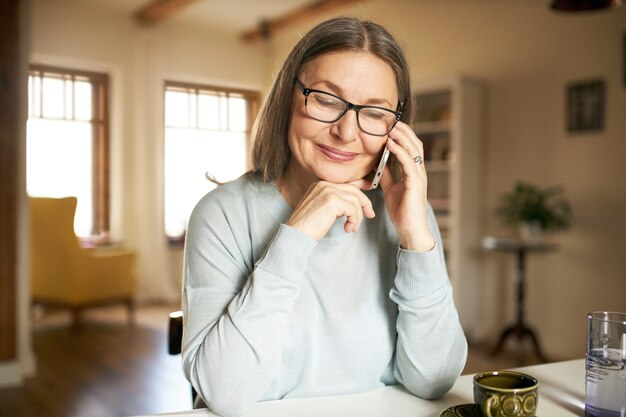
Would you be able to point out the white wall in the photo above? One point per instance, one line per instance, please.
(526, 54)
(138, 60)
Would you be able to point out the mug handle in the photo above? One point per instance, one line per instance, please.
(488, 404)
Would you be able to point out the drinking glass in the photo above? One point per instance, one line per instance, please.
(605, 380)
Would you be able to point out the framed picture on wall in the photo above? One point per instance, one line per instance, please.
(585, 106)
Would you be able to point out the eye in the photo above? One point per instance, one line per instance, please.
(374, 114)
(324, 100)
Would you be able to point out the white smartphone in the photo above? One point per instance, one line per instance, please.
(379, 170)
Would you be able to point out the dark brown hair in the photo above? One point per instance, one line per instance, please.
(270, 151)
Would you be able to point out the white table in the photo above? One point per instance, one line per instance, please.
(561, 393)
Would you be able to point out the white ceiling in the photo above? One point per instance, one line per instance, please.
(226, 15)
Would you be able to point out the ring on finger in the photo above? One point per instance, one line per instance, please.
(418, 160)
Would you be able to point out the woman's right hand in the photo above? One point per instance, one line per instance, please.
(324, 202)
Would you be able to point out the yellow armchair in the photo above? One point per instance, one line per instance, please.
(66, 275)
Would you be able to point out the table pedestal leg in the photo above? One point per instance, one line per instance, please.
(519, 329)
(520, 332)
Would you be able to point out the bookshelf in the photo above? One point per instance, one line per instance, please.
(449, 122)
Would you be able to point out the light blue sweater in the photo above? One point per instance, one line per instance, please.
(270, 313)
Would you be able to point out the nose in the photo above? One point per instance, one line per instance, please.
(346, 128)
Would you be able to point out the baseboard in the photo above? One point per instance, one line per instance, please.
(11, 374)
(14, 373)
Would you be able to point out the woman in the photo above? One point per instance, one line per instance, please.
(300, 280)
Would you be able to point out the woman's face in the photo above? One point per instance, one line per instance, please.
(340, 152)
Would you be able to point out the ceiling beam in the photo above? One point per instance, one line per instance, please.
(313, 9)
(158, 10)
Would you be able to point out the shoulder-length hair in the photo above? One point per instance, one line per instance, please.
(270, 150)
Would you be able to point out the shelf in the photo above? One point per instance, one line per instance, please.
(447, 120)
(427, 128)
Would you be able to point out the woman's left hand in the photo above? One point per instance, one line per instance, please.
(406, 200)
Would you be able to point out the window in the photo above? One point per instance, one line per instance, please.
(207, 131)
(67, 142)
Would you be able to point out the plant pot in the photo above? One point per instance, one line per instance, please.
(531, 232)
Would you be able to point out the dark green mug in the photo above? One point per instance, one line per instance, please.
(505, 394)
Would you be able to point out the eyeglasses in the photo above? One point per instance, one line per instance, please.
(328, 108)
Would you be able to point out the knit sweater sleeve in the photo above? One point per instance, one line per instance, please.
(431, 348)
(236, 319)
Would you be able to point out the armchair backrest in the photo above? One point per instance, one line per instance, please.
(53, 244)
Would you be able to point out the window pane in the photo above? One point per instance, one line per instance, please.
(237, 114)
(53, 104)
(34, 96)
(176, 109)
(223, 113)
(208, 111)
(69, 99)
(58, 155)
(84, 100)
(189, 154)
(37, 81)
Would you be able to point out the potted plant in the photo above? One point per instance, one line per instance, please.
(535, 211)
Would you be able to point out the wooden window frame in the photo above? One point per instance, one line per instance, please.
(100, 146)
(252, 98)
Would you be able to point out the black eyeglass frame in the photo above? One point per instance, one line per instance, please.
(349, 106)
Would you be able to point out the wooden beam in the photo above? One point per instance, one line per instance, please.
(158, 10)
(313, 9)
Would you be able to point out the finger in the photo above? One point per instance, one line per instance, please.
(406, 160)
(365, 203)
(353, 213)
(366, 206)
(414, 149)
(405, 137)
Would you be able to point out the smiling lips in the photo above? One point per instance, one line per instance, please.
(337, 155)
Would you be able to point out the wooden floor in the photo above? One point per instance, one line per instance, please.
(106, 368)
